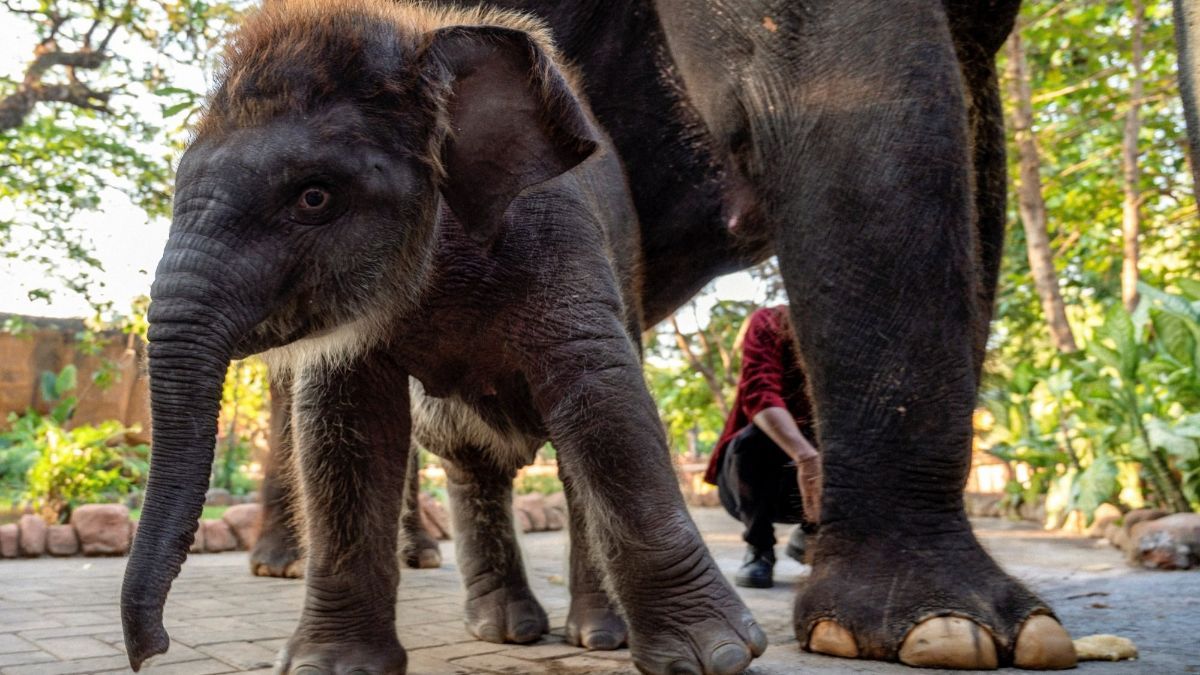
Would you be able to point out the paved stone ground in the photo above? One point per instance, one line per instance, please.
(59, 616)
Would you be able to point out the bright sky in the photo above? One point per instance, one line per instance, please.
(129, 244)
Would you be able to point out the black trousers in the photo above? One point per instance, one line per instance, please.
(757, 485)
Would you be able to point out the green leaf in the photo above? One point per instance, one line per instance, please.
(48, 386)
(1190, 288)
(1095, 485)
(1118, 327)
(67, 380)
(1162, 435)
(176, 108)
(1176, 336)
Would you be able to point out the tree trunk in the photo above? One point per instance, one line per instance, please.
(1187, 42)
(707, 373)
(1030, 203)
(1131, 220)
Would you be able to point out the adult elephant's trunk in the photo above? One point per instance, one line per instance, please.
(190, 345)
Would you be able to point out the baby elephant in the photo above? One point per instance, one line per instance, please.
(380, 190)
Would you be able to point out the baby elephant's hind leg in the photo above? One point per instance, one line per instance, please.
(593, 621)
(419, 549)
(500, 606)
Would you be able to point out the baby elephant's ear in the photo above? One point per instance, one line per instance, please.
(514, 121)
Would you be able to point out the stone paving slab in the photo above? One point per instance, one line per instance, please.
(60, 616)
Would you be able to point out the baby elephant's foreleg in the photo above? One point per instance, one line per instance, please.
(352, 441)
(683, 616)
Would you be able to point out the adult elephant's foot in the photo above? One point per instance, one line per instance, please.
(507, 613)
(944, 607)
(593, 622)
(304, 657)
(277, 555)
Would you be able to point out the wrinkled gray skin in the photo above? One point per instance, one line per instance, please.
(320, 230)
(862, 141)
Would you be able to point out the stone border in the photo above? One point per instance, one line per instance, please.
(106, 530)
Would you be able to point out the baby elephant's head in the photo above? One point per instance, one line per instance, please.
(307, 208)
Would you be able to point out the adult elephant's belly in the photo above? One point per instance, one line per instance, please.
(504, 426)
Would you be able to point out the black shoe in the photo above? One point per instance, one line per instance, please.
(797, 545)
(757, 571)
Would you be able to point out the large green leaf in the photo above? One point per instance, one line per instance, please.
(1177, 337)
(1190, 288)
(1095, 485)
(1175, 441)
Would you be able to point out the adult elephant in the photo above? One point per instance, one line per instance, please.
(862, 142)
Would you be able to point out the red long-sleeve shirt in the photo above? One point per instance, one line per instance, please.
(771, 378)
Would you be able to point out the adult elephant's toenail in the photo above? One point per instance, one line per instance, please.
(949, 642)
(307, 670)
(829, 637)
(730, 658)
(1044, 644)
(683, 668)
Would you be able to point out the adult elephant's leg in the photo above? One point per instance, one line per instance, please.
(278, 551)
(500, 606)
(352, 432)
(419, 550)
(593, 621)
(879, 257)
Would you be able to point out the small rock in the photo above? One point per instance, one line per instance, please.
(198, 539)
(555, 520)
(1105, 648)
(10, 536)
(434, 517)
(103, 529)
(61, 540)
(557, 500)
(1141, 515)
(1101, 519)
(521, 520)
(33, 535)
(246, 522)
(218, 536)
(218, 497)
(534, 506)
(1168, 543)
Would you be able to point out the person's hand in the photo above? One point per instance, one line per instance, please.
(808, 474)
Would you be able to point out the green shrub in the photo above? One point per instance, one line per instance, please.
(84, 465)
(541, 484)
(58, 468)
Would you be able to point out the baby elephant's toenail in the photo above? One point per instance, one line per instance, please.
(758, 639)
(601, 639)
(683, 668)
(307, 670)
(527, 628)
(730, 658)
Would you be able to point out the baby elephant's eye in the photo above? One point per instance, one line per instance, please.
(313, 198)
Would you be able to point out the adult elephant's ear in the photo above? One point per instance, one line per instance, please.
(513, 121)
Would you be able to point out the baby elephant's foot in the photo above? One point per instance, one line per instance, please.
(593, 622)
(698, 626)
(506, 615)
(300, 657)
(277, 555)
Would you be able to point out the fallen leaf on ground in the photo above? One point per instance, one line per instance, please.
(1105, 648)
